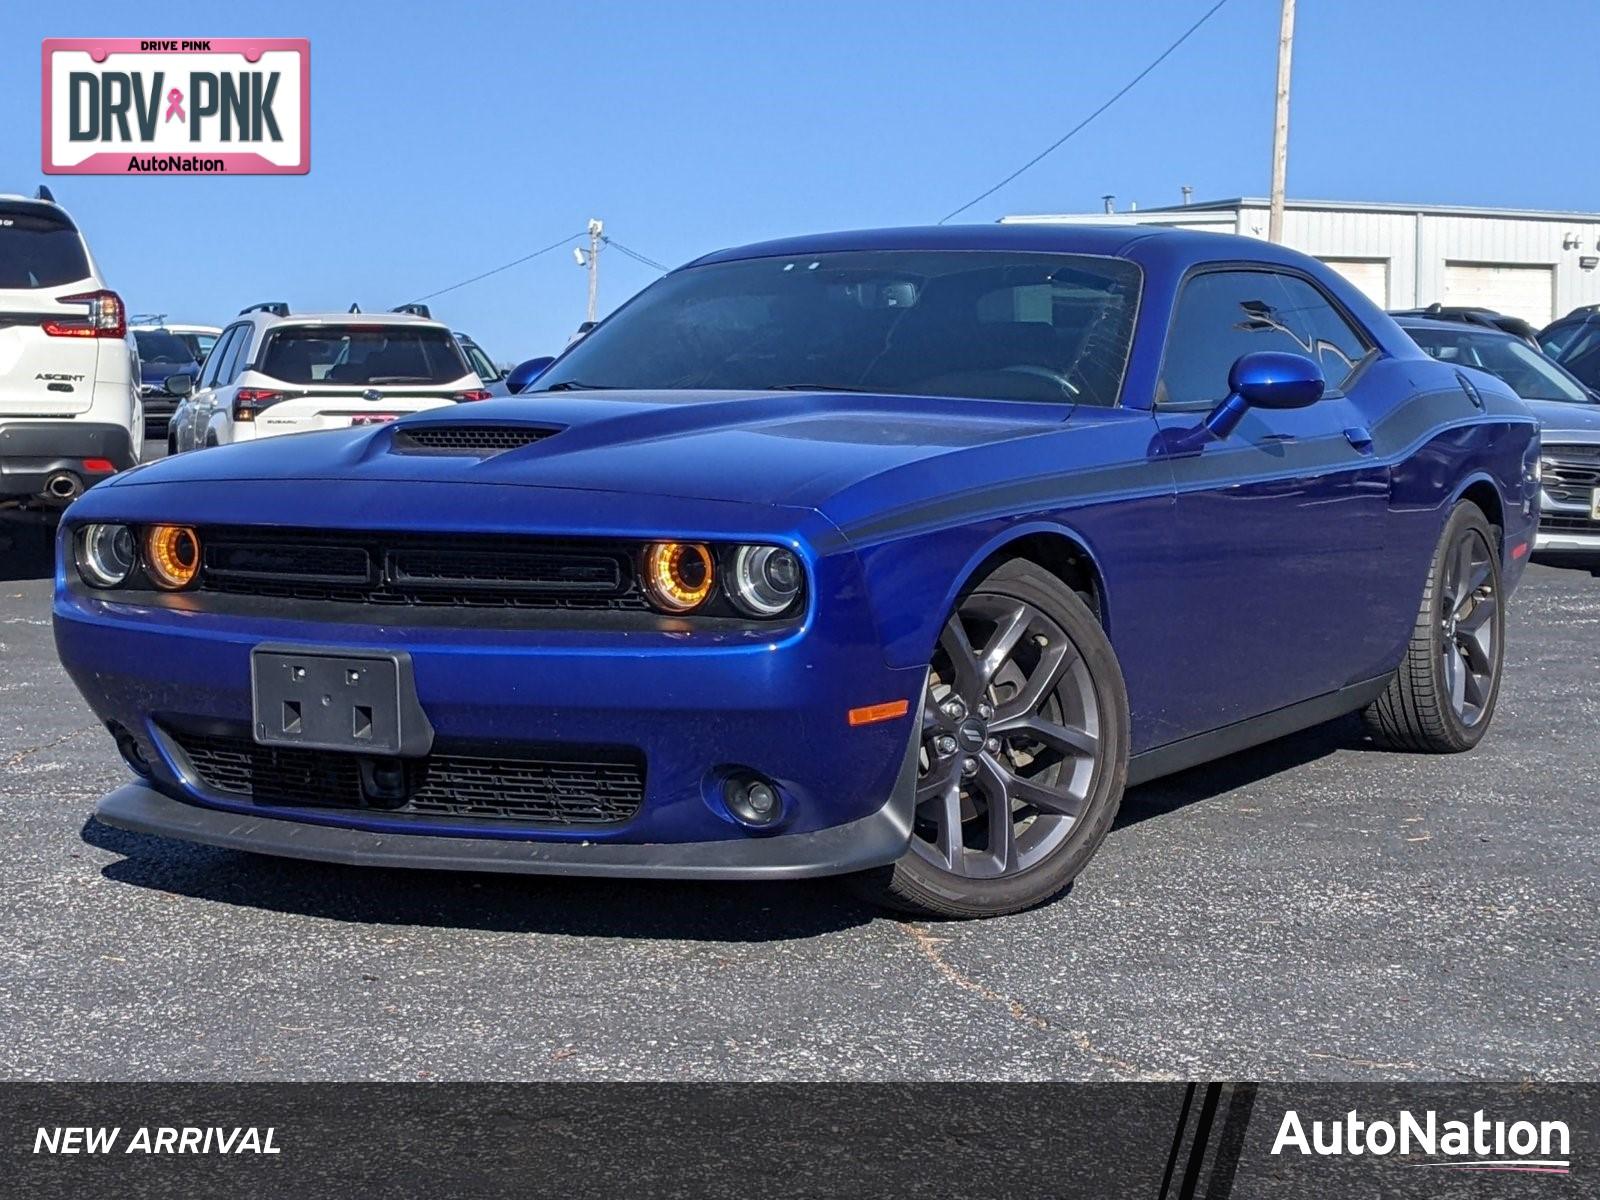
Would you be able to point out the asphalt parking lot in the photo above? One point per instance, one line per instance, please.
(1315, 909)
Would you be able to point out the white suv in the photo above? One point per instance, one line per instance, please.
(70, 413)
(273, 373)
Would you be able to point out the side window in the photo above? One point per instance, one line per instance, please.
(219, 354)
(236, 356)
(1326, 335)
(1220, 316)
(1554, 340)
(479, 362)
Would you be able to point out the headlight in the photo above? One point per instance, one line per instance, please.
(106, 555)
(766, 579)
(171, 556)
(678, 576)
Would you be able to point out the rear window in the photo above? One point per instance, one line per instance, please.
(158, 346)
(39, 250)
(362, 354)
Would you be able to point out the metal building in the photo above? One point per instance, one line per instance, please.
(1528, 263)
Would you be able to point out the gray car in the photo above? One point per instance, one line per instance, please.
(1569, 415)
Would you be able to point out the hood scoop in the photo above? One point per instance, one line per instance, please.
(465, 441)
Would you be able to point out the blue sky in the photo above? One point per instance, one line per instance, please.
(449, 138)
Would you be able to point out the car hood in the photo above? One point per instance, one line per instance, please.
(1557, 417)
(763, 447)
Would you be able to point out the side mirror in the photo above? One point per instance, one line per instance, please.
(523, 374)
(1266, 379)
(178, 384)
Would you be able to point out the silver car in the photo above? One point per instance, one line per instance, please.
(1569, 416)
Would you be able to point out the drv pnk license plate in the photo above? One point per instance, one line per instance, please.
(316, 700)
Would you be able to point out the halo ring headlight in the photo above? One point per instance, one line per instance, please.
(766, 580)
(679, 576)
(171, 556)
(106, 555)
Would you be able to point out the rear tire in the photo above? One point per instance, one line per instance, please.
(1442, 698)
(1024, 752)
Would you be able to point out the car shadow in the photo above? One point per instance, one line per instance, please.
(27, 549)
(555, 905)
(1212, 779)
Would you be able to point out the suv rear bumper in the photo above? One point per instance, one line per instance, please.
(42, 461)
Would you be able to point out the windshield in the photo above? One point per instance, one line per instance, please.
(39, 249)
(1002, 326)
(355, 355)
(159, 346)
(1530, 374)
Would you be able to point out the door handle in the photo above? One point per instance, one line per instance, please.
(1359, 437)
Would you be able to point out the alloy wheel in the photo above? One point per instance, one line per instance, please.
(1467, 648)
(1011, 740)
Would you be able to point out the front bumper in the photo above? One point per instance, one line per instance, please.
(159, 405)
(1570, 543)
(875, 840)
(695, 704)
(33, 452)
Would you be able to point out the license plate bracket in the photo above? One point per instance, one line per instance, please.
(317, 699)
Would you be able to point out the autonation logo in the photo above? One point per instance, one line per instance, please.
(1479, 1144)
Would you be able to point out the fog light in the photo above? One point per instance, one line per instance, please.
(751, 800)
(132, 753)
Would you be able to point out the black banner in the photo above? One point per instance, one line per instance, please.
(1151, 1141)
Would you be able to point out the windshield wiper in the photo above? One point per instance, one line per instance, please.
(576, 385)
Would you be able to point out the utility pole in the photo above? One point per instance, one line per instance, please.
(1280, 124)
(597, 229)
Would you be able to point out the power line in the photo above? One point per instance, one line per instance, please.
(1059, 142)
(636, 256)
(503, 267)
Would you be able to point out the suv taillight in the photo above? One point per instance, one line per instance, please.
(107, 318)
(247, 402)
(474, 394)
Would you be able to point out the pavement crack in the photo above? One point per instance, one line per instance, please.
(1375, 1065)
(26, 752)
(931, 948)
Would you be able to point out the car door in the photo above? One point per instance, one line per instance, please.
(202, 402)
(1280, 525)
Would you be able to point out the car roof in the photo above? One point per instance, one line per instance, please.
(1457, 327)
(344, 318)
(1113, 240)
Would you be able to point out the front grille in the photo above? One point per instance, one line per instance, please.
(418, 569)
(566, 786)
(1571, 473)
(1567, 523)
(466, 440)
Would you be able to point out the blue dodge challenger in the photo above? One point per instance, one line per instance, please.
(895, 554)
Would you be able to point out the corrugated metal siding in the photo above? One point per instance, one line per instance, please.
(1415, 246)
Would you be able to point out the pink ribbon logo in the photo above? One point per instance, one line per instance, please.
(175, 105)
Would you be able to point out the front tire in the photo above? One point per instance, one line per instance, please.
(1024, 752)
(1442, 698)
